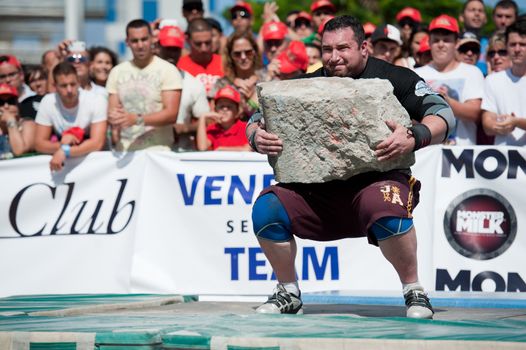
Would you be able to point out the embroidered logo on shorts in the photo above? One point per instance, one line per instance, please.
(391, 194)
(422, 89)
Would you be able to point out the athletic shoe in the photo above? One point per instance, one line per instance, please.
(418, 305)
(281, 302)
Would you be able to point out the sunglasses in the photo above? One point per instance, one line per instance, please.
(466, 48)
(493, 53)
(13, 101)
(9, 75)
(407, 21)
(273, 43)
(77, 58)
(301, 22)
(322, 11)
(240, 14)
(238, 54)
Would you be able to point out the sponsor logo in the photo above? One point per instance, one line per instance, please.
(485, 281)
(480, 224)
(422, 89)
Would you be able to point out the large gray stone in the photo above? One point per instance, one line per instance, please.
(330, 126)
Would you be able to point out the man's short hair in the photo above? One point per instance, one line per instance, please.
(506, 4)
(466, 3)
(519, 27)
(63, 68)
(198, 25)
(138, 23)
(345, 21)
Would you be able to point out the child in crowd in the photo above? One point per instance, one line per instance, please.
(227, 133)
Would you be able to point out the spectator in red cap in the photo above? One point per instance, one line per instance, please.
(386, 42)
(293, 61)
(274, 36)
(408, 18)
(193, 103)
(242, 16)
(320, 9)
(17, 133)
(227, 133)
(11, 73)
(303, 25)
(423, 53)
(459, 83)
(201, 62)
(243, 70)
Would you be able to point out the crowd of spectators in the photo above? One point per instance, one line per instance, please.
(194, 90)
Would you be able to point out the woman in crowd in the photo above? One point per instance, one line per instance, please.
(497, 54)
(417, 35)
(102, 61)
(242, 66)
(36, 78)
(16, 134)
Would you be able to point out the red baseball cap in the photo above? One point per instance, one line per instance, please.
(322, 3)
(241, 5)
(304, 15)
(294, 58)
(12, 60)
(322, 24)
(409, 12)
(444, 22)
(171, 36)
(424, 44)
(368, 28)
(228, 92)
(8, 90)
(274, 31)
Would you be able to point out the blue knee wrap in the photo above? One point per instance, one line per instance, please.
(391, 226)
(270, 219)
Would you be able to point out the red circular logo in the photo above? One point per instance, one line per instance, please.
(480, 224)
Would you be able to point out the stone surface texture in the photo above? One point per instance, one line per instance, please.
(330, 126)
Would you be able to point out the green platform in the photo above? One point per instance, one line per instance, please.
(111, 322)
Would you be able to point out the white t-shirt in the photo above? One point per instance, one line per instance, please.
(505, 93)
(99, 90)
(464, 83)
(140, 91)
(92, 108)
(193, 105)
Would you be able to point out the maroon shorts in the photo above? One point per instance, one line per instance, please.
(347, 209)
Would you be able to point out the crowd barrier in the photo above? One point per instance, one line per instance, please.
(162, 222)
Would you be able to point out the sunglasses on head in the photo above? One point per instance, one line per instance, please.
(76, 58)
(467, 48)
(192, 7)
(501, 52)
(238, 54)
(11, 100)
(240, 14)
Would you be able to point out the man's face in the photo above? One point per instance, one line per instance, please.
(442, 46)
(241, 21)
(192, 11)
(274, 47)
(386, 50)
(81, 61)
(170, 54)
(341, 55)
(216, 40)
(313, 54)
(201, 45)
(11, 75)
(504, 17)
(67, 87)
(468, 53)
(474, 15)
(516, 45)
(139, 41)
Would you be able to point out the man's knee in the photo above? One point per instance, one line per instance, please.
(270, 219)
(390, 226)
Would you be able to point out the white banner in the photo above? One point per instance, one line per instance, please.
(181, 223)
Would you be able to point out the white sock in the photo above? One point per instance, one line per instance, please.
(292, 287)
(411, 286)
